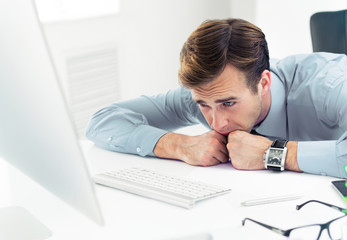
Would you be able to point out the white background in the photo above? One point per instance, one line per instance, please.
(149, 34)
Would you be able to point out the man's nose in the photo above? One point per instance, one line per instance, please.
(219, 122)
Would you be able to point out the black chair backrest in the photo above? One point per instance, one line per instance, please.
(329, 31)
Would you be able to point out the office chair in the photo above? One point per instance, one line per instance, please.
(329, 31)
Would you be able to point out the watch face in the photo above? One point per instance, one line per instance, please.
(275, 156)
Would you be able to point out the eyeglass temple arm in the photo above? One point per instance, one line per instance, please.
(298, 207)
(277, 230)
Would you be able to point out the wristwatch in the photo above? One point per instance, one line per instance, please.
(275, 155)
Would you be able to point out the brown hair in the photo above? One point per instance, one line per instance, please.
(216, 43)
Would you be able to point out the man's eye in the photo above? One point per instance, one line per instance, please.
(228, 104)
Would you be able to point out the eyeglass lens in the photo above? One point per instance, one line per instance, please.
(312, 232)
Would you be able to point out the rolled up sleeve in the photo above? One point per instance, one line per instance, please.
(136, 125)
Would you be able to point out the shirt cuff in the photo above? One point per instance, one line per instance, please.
(144, 139)
(318, 157)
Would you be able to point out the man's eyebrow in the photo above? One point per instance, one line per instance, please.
(199, 101)
(216, 101)
(228, 99)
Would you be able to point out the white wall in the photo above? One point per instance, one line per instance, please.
(152, 34)
(285, 22)
(149, 35)
(72, 37)
(245, 9)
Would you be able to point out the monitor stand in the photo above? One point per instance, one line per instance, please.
(16, 223)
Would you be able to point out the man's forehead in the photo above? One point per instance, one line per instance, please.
(229, 85)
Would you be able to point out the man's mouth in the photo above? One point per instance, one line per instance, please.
(224, 133)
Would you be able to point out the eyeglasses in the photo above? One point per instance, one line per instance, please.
(312, 231)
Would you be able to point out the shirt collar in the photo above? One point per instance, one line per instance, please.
(275, 123)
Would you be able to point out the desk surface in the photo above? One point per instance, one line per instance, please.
(128, 216)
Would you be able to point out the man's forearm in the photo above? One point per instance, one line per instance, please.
(204, 150)
(291, 161)
(169, 146)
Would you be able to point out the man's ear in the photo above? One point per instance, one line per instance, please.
(264, 83)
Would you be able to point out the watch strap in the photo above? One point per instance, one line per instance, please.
(274, 168)
(279, 143)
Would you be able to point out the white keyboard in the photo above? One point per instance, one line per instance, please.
(147, 183)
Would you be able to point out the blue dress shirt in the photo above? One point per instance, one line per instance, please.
(308, 105)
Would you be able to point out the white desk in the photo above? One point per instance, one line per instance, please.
(129, 216)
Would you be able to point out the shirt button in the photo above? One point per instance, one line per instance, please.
(109, 139)
(138, 149)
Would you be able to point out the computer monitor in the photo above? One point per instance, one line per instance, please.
(37, 135)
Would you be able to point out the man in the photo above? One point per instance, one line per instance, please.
(298, 105)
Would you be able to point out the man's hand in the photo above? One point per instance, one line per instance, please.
(246, 150)
(203, 150)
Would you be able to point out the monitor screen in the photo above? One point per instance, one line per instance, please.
(37, 135)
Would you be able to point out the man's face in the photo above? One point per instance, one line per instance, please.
(228, 104)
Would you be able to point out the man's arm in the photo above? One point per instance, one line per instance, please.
(317, 157)
(204, 150)
(134, 126)
(329, 157)
(121, 129)
(318, 80)
(143, 126)
(323, 157)
(246, 151)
